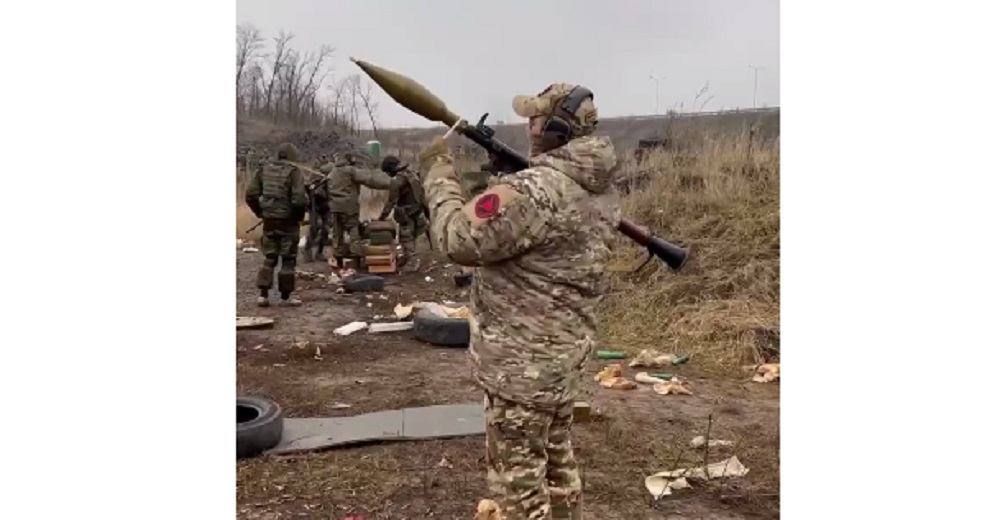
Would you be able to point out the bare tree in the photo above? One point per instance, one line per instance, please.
(280, 44)
(248, 43)
(370, 105)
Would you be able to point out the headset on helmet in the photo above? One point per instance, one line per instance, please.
(559, 126)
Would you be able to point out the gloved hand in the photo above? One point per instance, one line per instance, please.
(437, 148)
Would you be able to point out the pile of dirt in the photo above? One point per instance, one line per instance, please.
(261, 139)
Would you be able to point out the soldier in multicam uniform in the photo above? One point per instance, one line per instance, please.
(347, 176)
(405, 202)
(277, 195)
(540, 240)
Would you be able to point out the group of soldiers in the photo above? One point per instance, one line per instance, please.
(538, 241)
(279, 195)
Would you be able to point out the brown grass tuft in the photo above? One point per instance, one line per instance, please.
(722, 203)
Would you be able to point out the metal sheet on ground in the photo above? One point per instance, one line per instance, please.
(427, 422)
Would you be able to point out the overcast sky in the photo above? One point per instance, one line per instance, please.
(476, 55)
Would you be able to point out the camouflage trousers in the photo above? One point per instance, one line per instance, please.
(412, 224)
(346, 223)
(530, 465)
(319, 231)
(280, 240)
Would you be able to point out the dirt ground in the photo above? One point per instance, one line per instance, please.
(634, 433)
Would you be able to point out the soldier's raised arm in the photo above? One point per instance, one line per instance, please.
(254, 190)
(498, 224)
(395, 186)
(371, 178)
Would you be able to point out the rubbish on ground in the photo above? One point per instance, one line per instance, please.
(660, 484)
(680, 360)
(279, 365)
(645, 378)
(340, 406)
(396, 326)
(253, 322)
(403, 311)
(239, 243)
(442, 311)
(250, 250)
(609, 354)
(333, 279)
(666, 376)
(319, 354)
(260, 347)
(652, 359)
(767, 372)
(611, 377)
(309, 275)
(350, 328)
(444, 463)
(369, 305)
(699, 441)
(300, 343)
(487, 510)
(428, 279)
(674, 386)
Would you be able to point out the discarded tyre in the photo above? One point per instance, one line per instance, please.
(437, 330)
(363, 283)
(259, 423)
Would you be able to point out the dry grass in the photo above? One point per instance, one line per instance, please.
(722, 202)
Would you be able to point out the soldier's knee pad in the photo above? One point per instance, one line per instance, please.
(264, 276)
(288, 263)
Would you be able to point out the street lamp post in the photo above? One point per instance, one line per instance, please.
(755, 71)
(657, 80)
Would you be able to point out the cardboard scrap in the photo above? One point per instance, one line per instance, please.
(651, 358)
(674, 386)
(611, 377)
(767, 372)
(350, 328)
(661, 484)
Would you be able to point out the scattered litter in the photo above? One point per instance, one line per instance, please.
(279, 365)
(680, 360)
(674, 386)
(383, 297)
(350, 328)
(253, 322)
(609, 354)
(369, 305)
(319, 354)
(611, 377)
(250, 250)
(645, 378)
(259, 347)
(333, 279)
(403, 311)
(767, 372)
(699, 441)
(660, 484)
(428, 279)
(300, 343)
(340, 406)
(487, 510)
(239, 243)
(443, 311)
(652, 359)
(309, 275)
(396, 326)
(666, 376)
(444, 463)
(449, 303)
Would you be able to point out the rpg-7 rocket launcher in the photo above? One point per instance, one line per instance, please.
(416, 98)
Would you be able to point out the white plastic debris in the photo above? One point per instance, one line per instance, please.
(350, 328)
(699, 441)
(643, 377)
(428, 279)
(251, 250)
(395, 326)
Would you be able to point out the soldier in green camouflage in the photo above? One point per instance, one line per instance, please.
(347, 176)
(540, 240)
(405, 202)
(277, 195)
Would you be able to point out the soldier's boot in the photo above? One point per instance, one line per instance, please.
(319, 255)
(340, 261)
(286, 282)
(265, 277)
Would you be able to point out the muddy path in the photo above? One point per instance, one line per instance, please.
(634, 434)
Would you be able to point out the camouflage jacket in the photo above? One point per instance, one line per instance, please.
(344, 186)
(277, 191)
(405, 193)
(540, 240)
